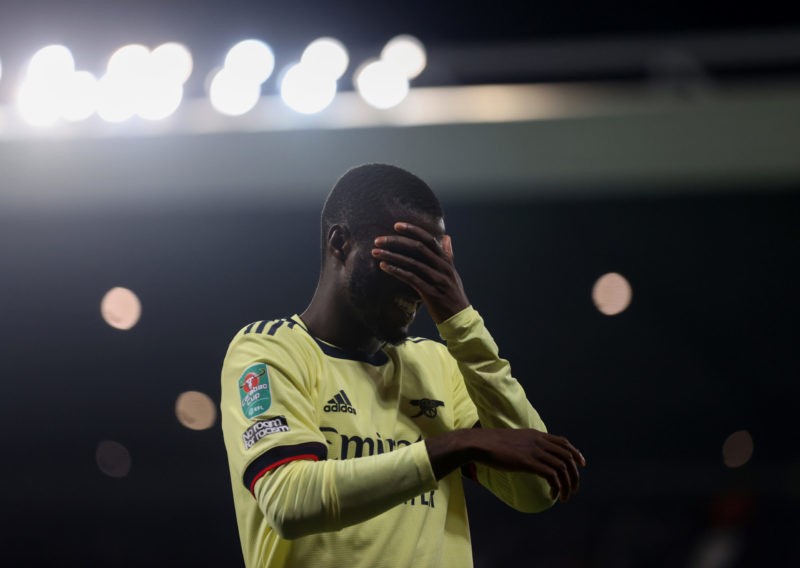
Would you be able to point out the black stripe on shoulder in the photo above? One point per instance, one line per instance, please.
(280, 455)
(260, 327)
(249, 327)
(275, 326)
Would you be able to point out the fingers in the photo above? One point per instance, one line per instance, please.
(419, 243)
(408, 264)
(558, 460)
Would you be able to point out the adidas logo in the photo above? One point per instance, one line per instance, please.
(339, 403)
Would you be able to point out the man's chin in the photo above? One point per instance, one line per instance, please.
(394, 336)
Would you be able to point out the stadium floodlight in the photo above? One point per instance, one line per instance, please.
(381, 84)
(129, 60)
(232, 93)
(79, 97)
(52, 63)
(118, 96)
(160, 99)
(37, 102)
(252, 59)
(172, 61)
(407, 53)
(326, 56)
(306, 91)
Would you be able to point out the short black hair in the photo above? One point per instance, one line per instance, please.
(365, 191)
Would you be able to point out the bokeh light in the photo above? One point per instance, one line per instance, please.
(381, 84)
(233, 94)
(326, 56)
(113, 458)
(37, 101)
(737, 449)
(52, 63)
(163, 97)
(80, 96)
(42, 92)
(172, 61)
(195, 410)
(407, 53)
(252, 59)
(144, 83)
(117, 94)
(612, 294)
(121, 308)
(306, 91)
(131, 59)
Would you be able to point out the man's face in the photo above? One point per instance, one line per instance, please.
(385, 306)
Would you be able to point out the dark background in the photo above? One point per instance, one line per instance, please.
(708, 346)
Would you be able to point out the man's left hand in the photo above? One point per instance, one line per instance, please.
(416, 257)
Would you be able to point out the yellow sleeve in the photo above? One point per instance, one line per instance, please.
(276, 450)
(500, 402)
(267, 391)
(302, 498)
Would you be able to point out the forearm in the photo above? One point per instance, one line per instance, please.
(498, 396)
(525, 491)
(305, 497)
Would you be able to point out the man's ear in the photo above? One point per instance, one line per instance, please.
(339, 242)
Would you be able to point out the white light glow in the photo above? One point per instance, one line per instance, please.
(132, 59)
(408, 53)
(382, 84)
(252, 59)
(53, 63)
(326, 56)
(118, 96)
(305, 91)
(161, 99)
(172, 61)
(80, 96)
(38, 102)
(232, 94)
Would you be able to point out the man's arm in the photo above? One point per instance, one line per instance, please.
(299, 493)
(417, 258)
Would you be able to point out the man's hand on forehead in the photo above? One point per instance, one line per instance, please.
(416, 257)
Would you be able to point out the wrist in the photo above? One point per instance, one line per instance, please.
(450, 451)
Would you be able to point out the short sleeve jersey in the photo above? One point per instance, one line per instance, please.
(287, 395)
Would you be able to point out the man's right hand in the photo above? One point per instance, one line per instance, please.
(552, 457)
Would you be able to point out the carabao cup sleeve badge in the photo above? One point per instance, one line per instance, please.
(254, 390)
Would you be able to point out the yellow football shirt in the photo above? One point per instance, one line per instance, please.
(289, 399)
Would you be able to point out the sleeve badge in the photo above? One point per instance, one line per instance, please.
(254, 390)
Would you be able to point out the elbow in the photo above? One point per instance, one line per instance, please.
(533, 496)
(535, 505)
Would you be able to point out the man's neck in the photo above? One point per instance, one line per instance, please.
(328, 318)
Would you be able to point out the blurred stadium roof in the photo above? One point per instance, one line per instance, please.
(477, 42)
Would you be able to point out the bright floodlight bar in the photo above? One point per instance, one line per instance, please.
(149, 84)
